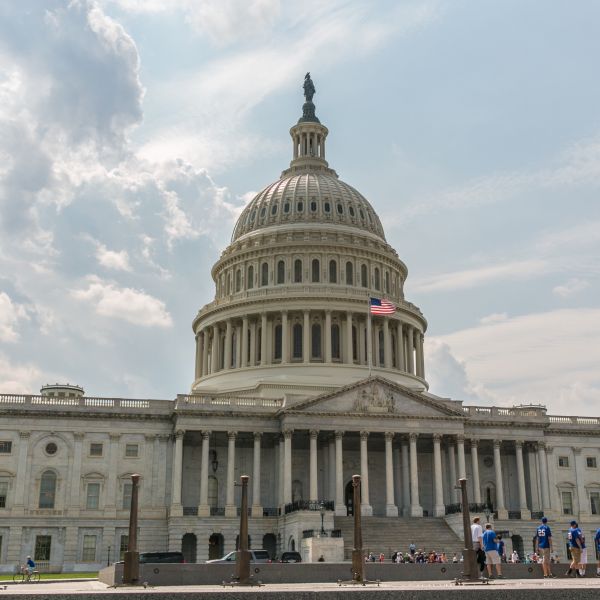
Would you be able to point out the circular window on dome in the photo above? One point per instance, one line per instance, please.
(300, 207)
(286, 207)
(274, 209)
(327, 207)
(340, 209)
(313, 206)
(263, 212)
(351, 210)
(51, 448)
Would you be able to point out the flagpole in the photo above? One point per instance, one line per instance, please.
(369, 337)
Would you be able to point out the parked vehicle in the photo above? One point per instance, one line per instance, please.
(159, 557)
(290, 557)
(256, 556)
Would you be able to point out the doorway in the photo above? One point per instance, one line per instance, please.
(270, 545)
(349, 498)
(216, 544)
(188, 547)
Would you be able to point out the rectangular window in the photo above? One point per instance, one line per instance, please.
(123, 546)
(563, 461)
(127, 496)
(567, 503)
(88, 553)
(5, 447)
(95, 449)
(43, 545)
(93, 496)
(590, 462)
(3, 493)
(595, 503)
(132, 450)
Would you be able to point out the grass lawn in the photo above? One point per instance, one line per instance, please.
(8, 577)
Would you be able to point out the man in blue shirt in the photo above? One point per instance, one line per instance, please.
(597, 544)
(29, 565)
(490, 546)
(543, 546)
(575, 542)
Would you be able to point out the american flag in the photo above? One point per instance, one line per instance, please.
(381, 307)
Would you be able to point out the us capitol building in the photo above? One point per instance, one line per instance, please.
(290, 390)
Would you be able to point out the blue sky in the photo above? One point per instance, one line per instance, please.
(132, 132)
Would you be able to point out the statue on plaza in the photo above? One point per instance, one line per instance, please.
(309, 88)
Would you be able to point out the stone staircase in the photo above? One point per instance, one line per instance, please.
(388, 534)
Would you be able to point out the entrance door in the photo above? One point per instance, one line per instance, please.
(215, 546)
(188, 547)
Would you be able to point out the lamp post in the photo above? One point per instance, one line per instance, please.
(322, 511)
(108, 556)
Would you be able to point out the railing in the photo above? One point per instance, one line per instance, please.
(537, 515)
(452, 509)
(308, 505)
(514, 514)
(308, 533)
(217, 511)
(24, 400)
(311, 533)
(574, 420)
(43, 566)
(271, 511)
(190, 511)
(184, 400)
(239, 511)
(336, 533)
(503, 412)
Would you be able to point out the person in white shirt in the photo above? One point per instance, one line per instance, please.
(476, 534)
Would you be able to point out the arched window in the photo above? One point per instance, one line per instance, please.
(394, 350)
(297, 341)
(316, 270)
(264, 274)
(332, 271)
(213, 491)
(250, 280)
(354, 344)
(47, 490)
(349, 273)
(258, 344)
(377, 279)
(238, 280)
(316, 341)
(227, 284)
(297, 271)
(381, 349)
(277, 342)
(280, 272)
(387, 282)
(335, 342)
(363, 276)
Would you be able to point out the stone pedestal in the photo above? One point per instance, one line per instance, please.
(331, 549)
(204, 510)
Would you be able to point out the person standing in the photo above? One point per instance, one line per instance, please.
(583, 559)
(544, 546)
(576, 546)
(501, 549)
(597, 544)
(476, 534)
(490, 546)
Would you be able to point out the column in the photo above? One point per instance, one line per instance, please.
(313, 492)
(111, 483)
(285, 340)
(198, 373)
(375, 347)
(410, 362)
(365, 506)
(391, 510)
(340, 506)
(525, 512)
(176, 508)
(281, 470)
(263, 339)
(405, 479)
(238, 346)
(332, 470)
(400, 346)
(553, 490)
(205, 353)
(287, 466)
(422, 354)
(454, 493)
(387, 344)
(544, 475)
(500, 508)
(214, 357)
(257, 510)
(306, 337)
(439, 509)
(75, 501)
(253, 343)
(244, 358)
(460, 447)
(349, 347)
(415, 508)
(475, 469)
(327, 335)
(230, 508)
(417, 347)
(203, 507)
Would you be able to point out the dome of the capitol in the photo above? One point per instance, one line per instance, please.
(292, 310)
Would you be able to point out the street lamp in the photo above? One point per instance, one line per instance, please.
(108, 557)
(322, 511)
(487, 513)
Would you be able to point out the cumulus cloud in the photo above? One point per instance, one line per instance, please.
(10, 315)
(493, 318)
(570, 288)
(134, 306)
(19, 378)
(112, 259)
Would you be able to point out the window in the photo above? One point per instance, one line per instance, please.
(263, 212)
(351, 210)
(332, 271)
(363, 276)
(264, 274)
(127, 496)
(381, 348)
(327, 207)
(227, 284)
(88, 553)
(274, 209)
(297, 271)
(313, 206)
(47, 490)
(132, 450)
(595, 503)
(250, 281)
(92, 501)
(297, 341)
(299, 207)
(3, 493)
(43, 544)
(316, 341)
(280, 272)
(277, 349)
(340, 209)
(335, 342)
(354, 344)
(563, 461)
(377, 279)
(286, 207)
(238, 280)
(567, 503)
(349, 273)
(590, 462)
(123, 545)
(5, 447)
(316, 269)
(387, 282)
(51, 448)
(95, 449)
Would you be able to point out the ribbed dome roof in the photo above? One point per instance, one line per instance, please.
(308, 198)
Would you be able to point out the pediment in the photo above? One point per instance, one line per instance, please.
(376, 396)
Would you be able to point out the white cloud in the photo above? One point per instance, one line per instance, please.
(570, 288)
(112, 259)
(18, 378)
(493, 318)
(133, 306)
(10, 315)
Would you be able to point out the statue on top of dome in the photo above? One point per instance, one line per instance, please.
(309, 88)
